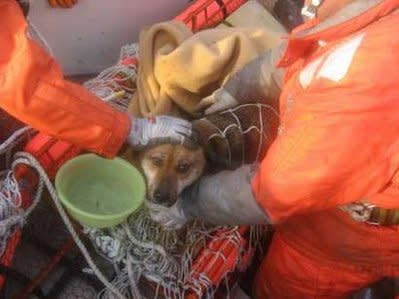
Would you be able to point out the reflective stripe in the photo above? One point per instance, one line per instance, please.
(337, 63)
(332, 65)
(307, 75)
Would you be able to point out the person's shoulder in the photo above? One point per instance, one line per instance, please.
(381, 41)
(373, 52)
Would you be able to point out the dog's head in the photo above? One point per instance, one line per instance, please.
(169, 169)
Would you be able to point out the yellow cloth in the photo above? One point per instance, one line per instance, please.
(178, 69)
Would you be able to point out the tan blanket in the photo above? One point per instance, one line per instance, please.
(178, 69)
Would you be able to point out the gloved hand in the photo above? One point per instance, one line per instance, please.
(225, 198)
(259, 81)
(172, 218)
(145, 131)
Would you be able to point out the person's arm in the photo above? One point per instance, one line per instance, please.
(33, 90)
(338, 144)
(333, 150)
(225, 198)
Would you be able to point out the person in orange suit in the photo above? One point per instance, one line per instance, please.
(34, 91)
(329, 183)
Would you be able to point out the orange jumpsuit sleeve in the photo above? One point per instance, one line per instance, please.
(339, 141)
(33, 90)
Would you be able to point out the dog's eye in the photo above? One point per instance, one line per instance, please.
(156, 161)
(183, 168)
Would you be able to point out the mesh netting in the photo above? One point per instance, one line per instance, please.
(238, 136)
(142, 253)
(116, 84)
(8, 125)
(141, 250)
(149, 261)
(12, 214)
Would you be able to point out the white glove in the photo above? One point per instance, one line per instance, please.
(145, 131)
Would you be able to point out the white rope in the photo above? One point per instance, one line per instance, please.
(164, 258)
(11, 213)
(222, 134)
(28, 159)
(10, 209)
(10, 192)
(109, 84)
(14, 139)
(129, 50)
(139, 248)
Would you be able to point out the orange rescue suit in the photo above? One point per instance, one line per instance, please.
(33, 90)
(339, 143)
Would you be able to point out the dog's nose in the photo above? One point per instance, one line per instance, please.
(164, 193)
(161, 197)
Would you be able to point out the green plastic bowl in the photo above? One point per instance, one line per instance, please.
(99, 192)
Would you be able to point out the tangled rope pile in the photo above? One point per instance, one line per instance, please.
(12, 216)
(11, 213)
(116, 84)
(22, 158)
(140, 248)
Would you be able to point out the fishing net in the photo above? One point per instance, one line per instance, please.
(116, 84)
(150, 262)
(154, 263)
(12, 214)
(237, 136)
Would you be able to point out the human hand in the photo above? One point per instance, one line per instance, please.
(224, 198)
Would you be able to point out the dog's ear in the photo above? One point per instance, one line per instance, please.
(122, 151)
(129, 154)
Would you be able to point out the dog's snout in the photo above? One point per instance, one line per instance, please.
(161, 196)
(164, 194)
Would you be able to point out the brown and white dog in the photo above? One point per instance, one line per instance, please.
(168, 169)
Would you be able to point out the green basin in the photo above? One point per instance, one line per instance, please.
(99, 192)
